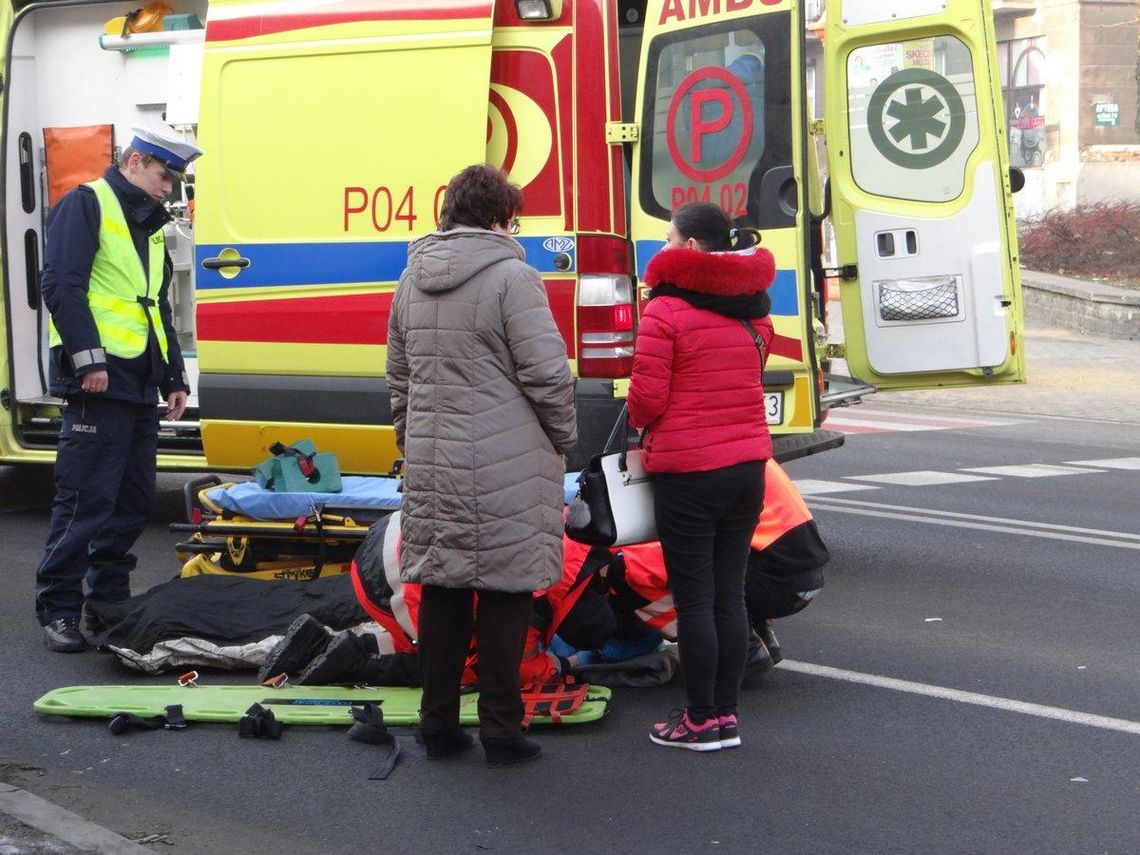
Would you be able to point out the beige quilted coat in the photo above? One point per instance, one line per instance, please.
(483, 405)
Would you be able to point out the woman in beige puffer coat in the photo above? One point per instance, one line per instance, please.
(483, 406)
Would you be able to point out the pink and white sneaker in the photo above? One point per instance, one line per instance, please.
(680, 731)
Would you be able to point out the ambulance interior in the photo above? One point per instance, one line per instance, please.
(77, 84)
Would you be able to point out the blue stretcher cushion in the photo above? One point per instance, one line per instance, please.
(356, 491)
(570, 486)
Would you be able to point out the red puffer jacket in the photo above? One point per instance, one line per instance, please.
(696, 372)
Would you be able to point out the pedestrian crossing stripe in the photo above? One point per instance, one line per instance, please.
(929, 477)
(921, 478)
(1117, 463)
(866, 420)
(1029, 470)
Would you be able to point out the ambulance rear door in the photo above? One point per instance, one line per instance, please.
(330, 130)
(722, 119)
(920, 194)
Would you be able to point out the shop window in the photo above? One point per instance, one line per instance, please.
(1022, 64)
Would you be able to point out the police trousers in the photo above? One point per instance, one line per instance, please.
(104, 497)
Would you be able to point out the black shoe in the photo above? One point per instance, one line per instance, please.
(63, 636)
(100, 616)
(507, 751)
(305, 639)
(342, 661)
(759, 661)
(771, 642)
(445, 743)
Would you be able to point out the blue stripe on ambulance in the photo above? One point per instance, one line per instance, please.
(285, 264)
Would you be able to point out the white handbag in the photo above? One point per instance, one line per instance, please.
(614, 505)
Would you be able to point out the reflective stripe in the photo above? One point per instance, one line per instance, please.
(88, 357)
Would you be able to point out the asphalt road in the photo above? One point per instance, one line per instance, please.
(967, 681)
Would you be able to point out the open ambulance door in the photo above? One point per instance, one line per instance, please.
(330, 131)
(920, 194)
(720, 104)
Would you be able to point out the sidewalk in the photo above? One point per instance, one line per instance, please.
(29, 824)
(1071, 373)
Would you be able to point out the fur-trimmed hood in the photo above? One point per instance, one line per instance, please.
(725, 274)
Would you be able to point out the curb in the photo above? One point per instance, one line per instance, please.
(1084, 306)
(60, 824)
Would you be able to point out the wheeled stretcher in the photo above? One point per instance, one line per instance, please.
(243, 528)
(247, 529)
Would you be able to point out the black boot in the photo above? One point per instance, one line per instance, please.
(100, 616)
(304, 640)
(445, 743)
(63, 636)
(392, 669)
(770, 641)
(759, 661)
(509, 750)
(342, 662)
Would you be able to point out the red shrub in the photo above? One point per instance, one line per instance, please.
(1100, 240)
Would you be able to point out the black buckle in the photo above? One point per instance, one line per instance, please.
(146, 301)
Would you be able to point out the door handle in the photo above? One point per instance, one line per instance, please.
(221, 262)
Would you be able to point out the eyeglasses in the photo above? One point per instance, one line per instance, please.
(513, 226)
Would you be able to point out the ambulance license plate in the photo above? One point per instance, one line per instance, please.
(774, 407)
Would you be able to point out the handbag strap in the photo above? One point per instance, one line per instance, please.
(757, 339)
(620, 431)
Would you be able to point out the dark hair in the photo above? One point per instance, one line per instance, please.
(710, 226)
(481, 197)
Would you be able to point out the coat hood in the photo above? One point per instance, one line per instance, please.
(723, 274)
(442, 261)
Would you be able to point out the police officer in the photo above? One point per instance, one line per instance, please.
(113, 343)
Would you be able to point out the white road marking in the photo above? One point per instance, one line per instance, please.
(860, 420)
(992, 701)
(920, 478)
(813, 487)
(1029, 470)
(1113, 463)
(1027, 528)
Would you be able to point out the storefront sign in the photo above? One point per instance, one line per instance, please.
(1107, 113)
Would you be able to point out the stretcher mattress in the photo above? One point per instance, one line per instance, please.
(256, 502)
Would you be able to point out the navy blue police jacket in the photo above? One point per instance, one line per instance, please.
(69, 253)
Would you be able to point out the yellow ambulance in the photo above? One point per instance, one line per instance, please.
(331, 127)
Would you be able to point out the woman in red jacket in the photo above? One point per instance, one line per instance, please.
(696, 390)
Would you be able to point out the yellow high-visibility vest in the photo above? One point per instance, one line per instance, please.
(118, 283)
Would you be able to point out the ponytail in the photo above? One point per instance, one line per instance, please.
(711, 227)
(742, 235)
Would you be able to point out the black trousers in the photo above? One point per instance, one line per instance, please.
(705, 522)
(500, 620)
(104, 497)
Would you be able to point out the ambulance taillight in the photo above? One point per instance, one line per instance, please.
(606, 308)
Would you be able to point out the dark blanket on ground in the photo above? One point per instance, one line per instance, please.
(229, 610)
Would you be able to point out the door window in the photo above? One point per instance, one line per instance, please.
(718, 110)
(912, 111)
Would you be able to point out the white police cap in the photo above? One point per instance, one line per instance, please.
(174, 153)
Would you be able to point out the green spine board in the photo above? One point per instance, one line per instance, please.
(290, 704)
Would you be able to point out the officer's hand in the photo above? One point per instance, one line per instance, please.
(175, 406)
(95, 381)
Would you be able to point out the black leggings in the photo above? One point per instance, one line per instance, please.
(705, 522)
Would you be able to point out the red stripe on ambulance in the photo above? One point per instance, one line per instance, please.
(343, 319)
(347, 12)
